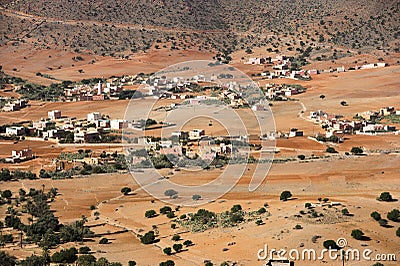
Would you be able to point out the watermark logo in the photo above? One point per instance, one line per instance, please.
(340, 252)
(194, 117)
(341, 242)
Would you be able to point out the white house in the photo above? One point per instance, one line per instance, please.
(85, 136)
(196, 134)
(294, 132)
(15, 131)
(118, 124)
(94, 116)
(55, 114)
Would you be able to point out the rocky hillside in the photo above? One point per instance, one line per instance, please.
(123, 26)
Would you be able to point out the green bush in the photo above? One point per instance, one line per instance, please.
(196, 197)
(394, 215)
(301, 157)
(356, 150)
(285, 195)
(167, 251)
(330, 244)
(188, 243)
(150, 213)
(65, 256)
(171, 215)
(236, 208)
(176, 238)
(357, 234)
(376, 216)
(165, 210)
(383, 222)
(167, 263)
(298, 227)
(385, 196)
(170, 193)
(103, 241)
(331, 150)
(84, 250)
(177, 247)
(126, 190)
(261, 210)
(148, 238)
(7, 259)
(86, 260)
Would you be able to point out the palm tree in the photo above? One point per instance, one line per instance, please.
(82, 223)
(46, 255)
(1, 228)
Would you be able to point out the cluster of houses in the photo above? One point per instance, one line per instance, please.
(281, 92)
(20, 156)
(356, 67)
(281, 68)
(367, 125)
(107, 90)
(98, 92)
(58, 127)
(266, 60)
(12, 105)
(104, 158)
(191, 144)
(229, 92)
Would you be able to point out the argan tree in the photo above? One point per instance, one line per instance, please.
(285, 195)
(357, 234)
(376, 216)
(126, 190)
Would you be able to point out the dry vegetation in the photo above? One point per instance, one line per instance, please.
(121, 27)
(47, 35)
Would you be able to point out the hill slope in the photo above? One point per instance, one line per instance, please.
(123, 26)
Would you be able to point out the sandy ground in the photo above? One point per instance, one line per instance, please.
(353, 181)
(337, 180)
(61, 66)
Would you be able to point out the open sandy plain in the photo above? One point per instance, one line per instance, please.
(24, 62)
(346, 181)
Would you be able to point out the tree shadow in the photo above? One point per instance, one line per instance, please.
(88, 240)
(392, 200)
(387, 226)
(291, 199)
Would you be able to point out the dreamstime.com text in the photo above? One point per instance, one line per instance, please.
(347, 254)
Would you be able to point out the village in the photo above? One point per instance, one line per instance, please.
(178, 133)
(281, 67)
(365, 123)
(98, 128)
(11, 105)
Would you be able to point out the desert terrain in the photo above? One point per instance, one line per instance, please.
(354, 181)
(335, 186)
